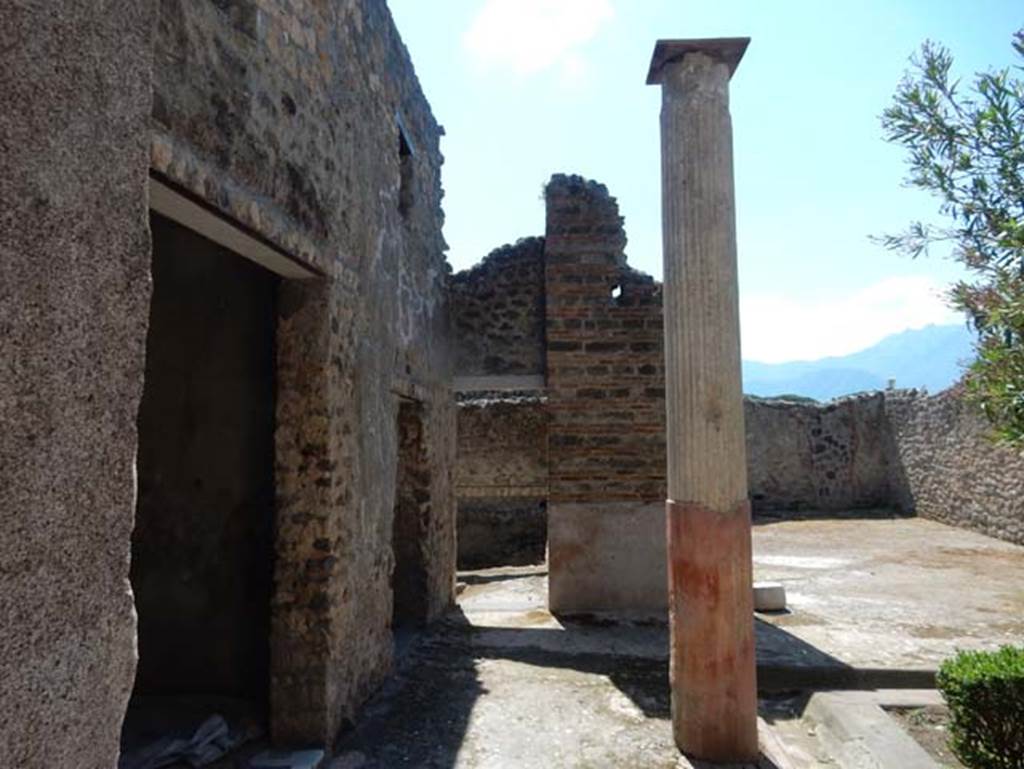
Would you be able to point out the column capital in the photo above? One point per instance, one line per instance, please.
(728, 50)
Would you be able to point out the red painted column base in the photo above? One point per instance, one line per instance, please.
(711, 615)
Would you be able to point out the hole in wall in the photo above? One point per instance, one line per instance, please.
(616, 292)
(406, 197)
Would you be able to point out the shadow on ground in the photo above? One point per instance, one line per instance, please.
(487, 690)
(486, 577)
(420, 717)
(501, 682)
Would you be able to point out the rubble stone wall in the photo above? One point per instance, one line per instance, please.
(74, 304)
(818, 457)
(303, 122)
(498, 312)
(950, 471)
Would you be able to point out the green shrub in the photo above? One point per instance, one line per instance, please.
(985, 694)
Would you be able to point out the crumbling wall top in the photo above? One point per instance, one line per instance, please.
(498, 312)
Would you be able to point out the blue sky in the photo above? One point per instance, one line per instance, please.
(527, 88)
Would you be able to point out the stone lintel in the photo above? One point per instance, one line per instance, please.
(728, 50)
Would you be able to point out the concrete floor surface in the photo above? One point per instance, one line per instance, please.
(501, 683)
(900, 593)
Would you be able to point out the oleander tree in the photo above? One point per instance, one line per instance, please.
(965, 145)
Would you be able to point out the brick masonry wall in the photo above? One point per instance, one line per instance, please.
(948, 470)
(289, 117)
(498, 312)
(605, 384)
(606, 398)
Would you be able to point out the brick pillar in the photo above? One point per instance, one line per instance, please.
(714, 692)
(606, 406)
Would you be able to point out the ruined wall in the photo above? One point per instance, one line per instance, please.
(502, 479)
(304, 122)
(949, 470)
(74, 296)
(605, 381)
(606, 399)
(605, 408)
(818, 457)
(900, 449)
(596, 324)
(498, 312)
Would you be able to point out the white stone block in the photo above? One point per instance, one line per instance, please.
(769, 596)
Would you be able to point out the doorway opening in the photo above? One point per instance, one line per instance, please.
(411, 525)
(203, 543)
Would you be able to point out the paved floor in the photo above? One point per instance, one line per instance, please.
(900, 593)
(483, 696)
(502, 683)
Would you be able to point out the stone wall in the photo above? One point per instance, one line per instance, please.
(950, 471)
(502, 479)
(74, 301)
(568, 307)
(498, 313)
(304, 122)
(805, 456)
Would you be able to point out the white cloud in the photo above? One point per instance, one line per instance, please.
(527, 37)
(782, 328)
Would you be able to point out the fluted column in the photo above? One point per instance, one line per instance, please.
(714, 692)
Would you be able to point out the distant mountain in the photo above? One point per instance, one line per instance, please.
(930, 357)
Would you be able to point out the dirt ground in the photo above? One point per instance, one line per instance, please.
(930, 729)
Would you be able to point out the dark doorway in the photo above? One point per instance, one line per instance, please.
(411, 521)
(202, 548)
